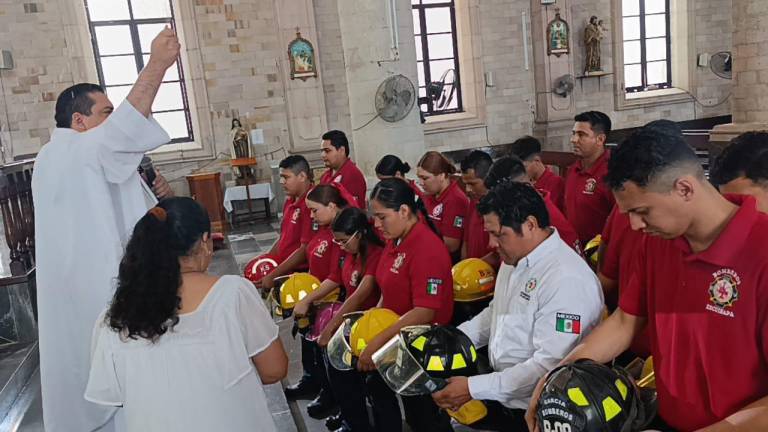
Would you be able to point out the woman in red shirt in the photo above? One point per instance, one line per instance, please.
(414, 276)
(446, 203)
(391, 166)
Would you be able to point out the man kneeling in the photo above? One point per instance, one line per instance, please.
(546, 300)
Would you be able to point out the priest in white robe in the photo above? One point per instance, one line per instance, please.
(88, 196)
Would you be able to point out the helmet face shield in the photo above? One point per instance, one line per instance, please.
(401, 371)
(338, 349)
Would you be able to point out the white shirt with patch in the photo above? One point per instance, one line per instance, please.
(541, 309)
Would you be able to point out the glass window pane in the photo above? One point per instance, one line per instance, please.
(108, 10)
(420, 71)
(151, 9)
(632, 52)
(415, 2)
(438, 68)
(631, 28)
(438, 20)
(630, 7)
(656, 49)
(419, 53)
(655, 25)
(113, 40)
(632, 76)
(117, 95)
(436, 1)
(174, 123)
(655, 6)
(422, 92)
(168, 98)
(119, 70)
(147, 33)
(416, 22)
(657, 72)
(172, 74)
(440, 46)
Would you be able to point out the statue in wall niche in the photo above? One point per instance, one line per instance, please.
(240, 147)
(593, 34)
(557, 36)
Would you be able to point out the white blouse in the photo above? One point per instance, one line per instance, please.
(196, 377)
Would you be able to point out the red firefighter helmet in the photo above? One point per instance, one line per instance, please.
(259, 267)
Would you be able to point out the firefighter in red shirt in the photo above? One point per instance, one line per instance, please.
(528, 149)
(392, 166)
(742, 168)
(699, 284)
(588, 200)
(341, 169)
(446, 203)
(474, 168)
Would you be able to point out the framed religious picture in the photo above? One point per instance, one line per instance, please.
(302, 56)
(558, 36)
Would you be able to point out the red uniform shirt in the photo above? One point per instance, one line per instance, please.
(417, 273)
(351, 274)
(617, 261)
(296, 225)
(448, 210)
(588, 200)
(350, 177)
(475, 236)
(555, 185)
(558, 220)
(323, 254)
(708, 319)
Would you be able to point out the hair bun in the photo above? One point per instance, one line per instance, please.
(406, 168)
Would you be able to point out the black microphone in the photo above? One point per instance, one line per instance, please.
(146, 168)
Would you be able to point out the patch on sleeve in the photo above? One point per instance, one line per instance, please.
(458, 221)
(568, 323)
(433, 285)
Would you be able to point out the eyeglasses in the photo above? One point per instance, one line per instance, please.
(344, 243)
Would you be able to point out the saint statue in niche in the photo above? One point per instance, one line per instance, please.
(240, 147)
(593, 34)
(557, 36)
(302, 57)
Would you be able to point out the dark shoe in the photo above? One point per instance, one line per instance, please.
(343, 428)
(323, 406)
(304, 389)
(334, 422)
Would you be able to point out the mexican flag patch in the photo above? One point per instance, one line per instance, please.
(568, 323)
(458, 221)
(433, 285)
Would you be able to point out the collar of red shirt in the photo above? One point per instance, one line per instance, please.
(721, 251)
(547, 174)
(302, 198)
(335, 173)
(415, 233)
(443, 194)
(592, 170)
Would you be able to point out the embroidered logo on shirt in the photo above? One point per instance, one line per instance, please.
(337, 179)
(433, 285)
(353, 278)
(723, 291)
(528, 289)
(458, 221)
(295, 215)
(398, 263)
(590, 186)
(321, 248)
(437, 211)
(568, 323)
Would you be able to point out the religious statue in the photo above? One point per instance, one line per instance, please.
(593, 34)
(240, 148)
(557, 36)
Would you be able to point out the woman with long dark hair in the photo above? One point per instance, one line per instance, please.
(179, 349)
(414, 276)
(446, 203)
(391, 166)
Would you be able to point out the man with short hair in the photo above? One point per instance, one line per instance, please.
(474, 168)
(699, 283)
(341, 169)
(588, 200)
(546, 299)
(742, 168)
(88, 196)
(528, 149)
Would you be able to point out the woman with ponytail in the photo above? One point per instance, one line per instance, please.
(179, 349)
(392, 166)
(414, 276)
(446, 203)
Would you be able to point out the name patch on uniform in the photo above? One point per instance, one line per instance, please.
(568, 323)
(433, 285)
(458, 221)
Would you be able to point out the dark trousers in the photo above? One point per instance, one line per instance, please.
(349, 389)
(421, 413)
(501, 418)
(314, 366)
